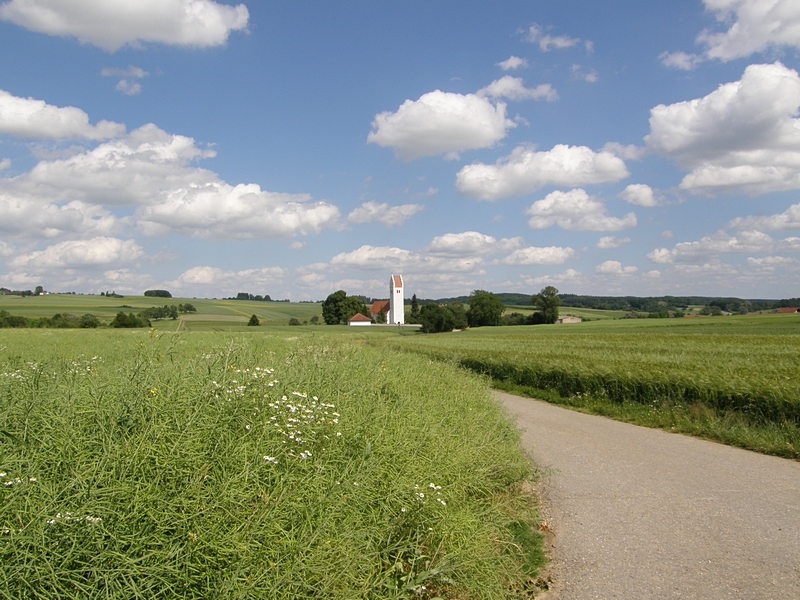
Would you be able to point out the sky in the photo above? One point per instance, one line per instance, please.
(296, 148)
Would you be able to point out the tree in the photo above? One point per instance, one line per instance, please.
(436, 319)
(38, 291)
(129, 320)
(381, 317)
(253, 322)
(157, 293)
(459, 315)
(88, 321)
(294, 321)
(331, 308)
(314, 320)
(352, 306)
(546, 303)
(484, 309)
(414, 316)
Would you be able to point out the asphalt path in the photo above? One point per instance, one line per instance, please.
(640, 513)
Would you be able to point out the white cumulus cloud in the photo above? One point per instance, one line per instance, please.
(472, 243)
(789, 219)
(205, 277)
(35, 119)
(513, 63)
(440, 123)
(639, 194)
(525, 170)
(610, 242)
(512, 88)
(575, 210)
(76, 254)
(383, 213)
(112, 24)
(713, 245)
(550, 255)
(614, 267)
(546, 42)
(744, 136)
(680, 60)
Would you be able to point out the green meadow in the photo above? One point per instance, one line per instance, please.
(257, 464)
(732, 379)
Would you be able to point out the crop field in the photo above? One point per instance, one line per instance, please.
(212, 315)
(138, 464)
(589, 314)
(733, 379)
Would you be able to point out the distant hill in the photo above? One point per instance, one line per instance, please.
(636, 303)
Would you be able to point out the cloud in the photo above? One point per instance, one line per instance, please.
(440, 123)
(6, 249)
(757, 26)
(112, 25)
(396, 259)
(513, 63)
(680, 60)
(525, 170)
(771, 263)
(579, 73)
(5, 164)
(610, 242)
(76, 254)
(743, 137)
(551, 255)
(536, 35)
(614, 267)
(35, 119)
(629, 152)
(787, 220)
(512, 88)
(152, 170)
(713, 245)
(383, 213)
(131, 72)
(222, 282)
(575, 210)
(46, 220)
(125, 86)
(471, 243)
(639, 194)
(570, 276)
(128, 88)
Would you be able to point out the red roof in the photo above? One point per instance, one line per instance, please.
(786, 310)
(398, 281)
(378, 306)
(359, 317)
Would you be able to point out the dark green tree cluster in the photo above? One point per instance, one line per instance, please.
(160, 312)
(128, 321)
(248, 296)
(436, 318)
(546, 303)
(485, 309)
(186, 308)
(58, 321)
(253, 322)
(158, 294)
(339, 307)
(112, 295)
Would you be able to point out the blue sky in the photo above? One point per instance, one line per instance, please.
(297, 148)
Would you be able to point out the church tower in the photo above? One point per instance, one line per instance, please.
(397, 311)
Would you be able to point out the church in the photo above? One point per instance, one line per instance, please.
(394, 307)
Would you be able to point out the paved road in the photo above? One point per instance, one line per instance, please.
(640, 513)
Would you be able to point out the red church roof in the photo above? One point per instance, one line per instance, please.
(359, 317)
(398, 281)
(378, 306)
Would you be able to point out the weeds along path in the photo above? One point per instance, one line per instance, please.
(642, 513)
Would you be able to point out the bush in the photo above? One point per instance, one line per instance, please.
(253, 322)
(294, 321)
(129, 321)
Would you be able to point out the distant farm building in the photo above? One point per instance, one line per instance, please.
(397, 310)
(569, 319)
(378, 307)
(359, 320)
(786, 311)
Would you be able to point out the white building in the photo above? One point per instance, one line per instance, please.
(397, 311)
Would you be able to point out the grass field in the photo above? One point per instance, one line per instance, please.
(266, 464)
(587, 314)
(212, 315)
(733, 379)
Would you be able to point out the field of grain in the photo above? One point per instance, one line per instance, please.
(149, 465)
(737, 373)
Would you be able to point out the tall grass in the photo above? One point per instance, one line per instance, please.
(743, 373)
(200, 466)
